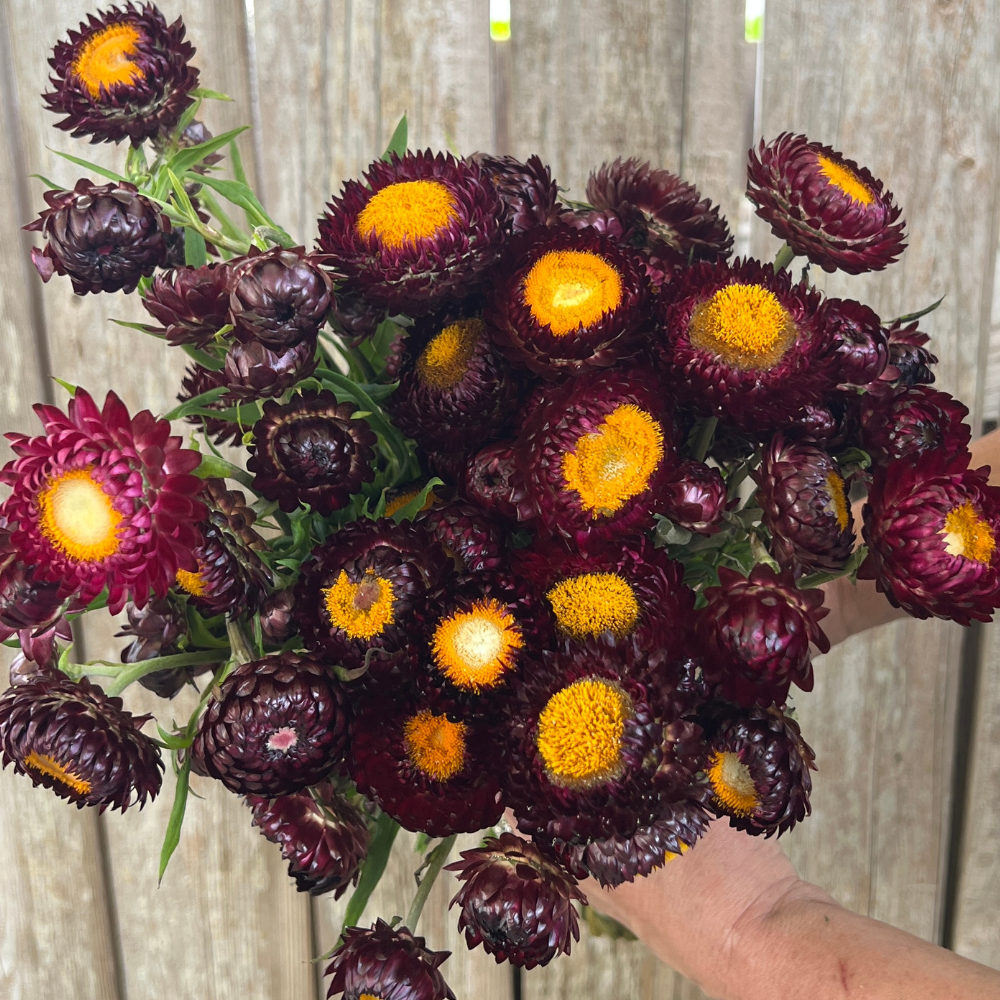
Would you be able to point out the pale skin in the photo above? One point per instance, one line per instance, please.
(734, 916)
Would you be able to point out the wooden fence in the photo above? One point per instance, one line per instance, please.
(905, 720)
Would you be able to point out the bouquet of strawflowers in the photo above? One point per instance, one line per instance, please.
(537, 498)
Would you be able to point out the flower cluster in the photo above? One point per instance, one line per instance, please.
(548, 492)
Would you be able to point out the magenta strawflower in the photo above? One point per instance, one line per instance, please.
(103, 499)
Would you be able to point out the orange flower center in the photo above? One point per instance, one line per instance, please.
(362, 609)
(614, 464)
(744, 325)
(569, 289)
(592, 603)
(838, 498)
(397, 503)
(77, 517)
(968, 535)
(580, 733)
(51, 768)
(475, 648)
(732, 783)
(192, 583)
(444, 362)
(844, 179)
(103, 59)
(435, 744)
(407, 212)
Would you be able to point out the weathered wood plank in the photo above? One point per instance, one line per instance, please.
(468, 973)
(51, 879)
(595, 80)
(881, 718)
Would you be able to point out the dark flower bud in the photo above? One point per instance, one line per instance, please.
(696, 498)
(191, 303)
(254, 371)
(25, 603)
(489, 481)
(356, 318)
(527, 190)
(909, 360)
(276, 619)
(279, 297)
(860, 350)
(104, 236)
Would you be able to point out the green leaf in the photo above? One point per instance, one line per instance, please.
(397, 144)
(237, 159)
(189, 115)
(194, 248)
(219, 468)
(201, 635)
(68, 386)
(910, 317)
(600, 925)
(410, 510)
(172, 741)
(185, 159)
(92, 167)
(196, 403)
(183, 198)
(203, 359)
(210, 95)
(173, 835)
(239, 194)
(49, 184)
(378, 856)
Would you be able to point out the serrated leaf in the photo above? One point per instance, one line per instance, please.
(397, 144)
(184, 159)
(195, 250)
(92, 167)
(173, 835)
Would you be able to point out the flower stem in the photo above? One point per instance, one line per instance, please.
(784, 257)
(134, 671)
(705, 435)
(239, 641)
(435, 862)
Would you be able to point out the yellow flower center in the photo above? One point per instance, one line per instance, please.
(397, 503)
(444, 362)
(614, 463)
(580, 733)
(362, 609)
(745, 325)
(592, 603)
(50, 767)
(77, 517)
(435, 744)
(569, 289)
(845, 179)
(732, 783)
(407, 212)
(192, 583)
(968, 535)
(475, 648)
(838, 498)
(103, 59)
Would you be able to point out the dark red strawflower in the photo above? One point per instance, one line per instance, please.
(322, 836)
(456, 393)
(310, 451)
(279, 297)
(103, 500)
(417, 232)
(593, 458)
(824, 206)
(254, 371)
(387, 964)
(695, 498)
(673, 210)
(190, 303)
(355, 317)
(528, 192)
(71, 737)
(104, 236)
(427, 771)
(515, 903)
(198, 380)
(860, 349)
(124, 73)
(277, 725)
(562, 301)
(357, 591)
(744, 344)
(26, 603)
(931, 526)
(489, 482)
(911, 420)
(805, 507)
(467, 533)
(758, 769)
(909, 360)
(755, 632)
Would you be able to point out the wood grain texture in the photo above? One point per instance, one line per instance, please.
(977, 927)
(882, 714)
